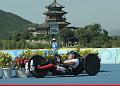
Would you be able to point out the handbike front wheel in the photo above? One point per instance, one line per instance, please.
(33, 64)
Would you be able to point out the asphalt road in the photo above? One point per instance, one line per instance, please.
(109, 74)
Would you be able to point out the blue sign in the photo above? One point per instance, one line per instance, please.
(54, 28)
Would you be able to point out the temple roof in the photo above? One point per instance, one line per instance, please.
(58, 12)
(46, 24)
(55, 4)
(66, 23)
(31, 29)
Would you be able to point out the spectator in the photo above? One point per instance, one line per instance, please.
(55, 46)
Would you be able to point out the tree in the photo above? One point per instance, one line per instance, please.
(17, 36)
(92, 36)
(0, 44)
(105, 32)
(66, 35)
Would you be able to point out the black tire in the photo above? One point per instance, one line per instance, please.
(80, 69)
(92, 64)
(37, 60)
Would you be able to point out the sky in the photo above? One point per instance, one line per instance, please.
(80, 12)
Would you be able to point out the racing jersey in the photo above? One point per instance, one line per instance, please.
(76, 62)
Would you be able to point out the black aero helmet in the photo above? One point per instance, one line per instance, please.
(74, 53)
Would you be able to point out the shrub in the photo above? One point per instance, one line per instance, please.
(5, 59)
(30, 53)
(20, 62)
(88, 51)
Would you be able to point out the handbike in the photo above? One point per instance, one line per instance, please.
(90, 64)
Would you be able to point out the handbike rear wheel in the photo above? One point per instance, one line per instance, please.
(92, 64)
(34, 62)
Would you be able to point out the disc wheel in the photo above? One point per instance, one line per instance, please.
(33, 63)
(92, 64)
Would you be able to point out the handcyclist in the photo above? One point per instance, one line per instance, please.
(70, 65)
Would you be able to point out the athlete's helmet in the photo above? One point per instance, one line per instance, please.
(73, 53)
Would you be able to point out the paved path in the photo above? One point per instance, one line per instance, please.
(109, 74)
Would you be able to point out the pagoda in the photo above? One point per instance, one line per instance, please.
(56, 14)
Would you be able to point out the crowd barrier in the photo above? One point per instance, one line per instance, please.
(107, 55)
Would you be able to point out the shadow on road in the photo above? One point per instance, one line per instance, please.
(80, 75)
(104, 71)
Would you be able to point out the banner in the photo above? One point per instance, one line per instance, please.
(107, 55)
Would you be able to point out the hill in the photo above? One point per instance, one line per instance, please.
(10, 23)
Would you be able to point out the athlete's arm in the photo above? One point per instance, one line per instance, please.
(69, 62)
